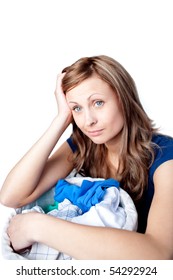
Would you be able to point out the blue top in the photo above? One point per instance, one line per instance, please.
(163, 153)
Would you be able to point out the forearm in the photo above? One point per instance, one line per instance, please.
(24, 177)
(86, 242)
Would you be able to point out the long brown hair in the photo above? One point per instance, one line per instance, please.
(136, 154)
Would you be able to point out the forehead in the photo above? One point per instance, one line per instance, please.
(92, 85)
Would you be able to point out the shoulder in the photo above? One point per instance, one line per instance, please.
(162, 140)
(163, 150)
(163, 162)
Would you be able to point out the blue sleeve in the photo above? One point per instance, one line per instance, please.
(163, 152)
(72, 145)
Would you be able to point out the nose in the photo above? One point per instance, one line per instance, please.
(90, 118)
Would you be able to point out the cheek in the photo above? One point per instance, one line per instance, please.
(77, 119)
(116, 121)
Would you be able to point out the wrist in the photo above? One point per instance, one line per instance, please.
(37, 226)
(41, 227)
(63, 120)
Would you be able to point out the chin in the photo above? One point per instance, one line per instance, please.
(97, 141)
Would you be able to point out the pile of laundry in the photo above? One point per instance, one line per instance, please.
(82, 200)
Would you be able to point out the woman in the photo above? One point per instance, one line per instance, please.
(112, 137)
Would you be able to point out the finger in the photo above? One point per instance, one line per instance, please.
(59, 79)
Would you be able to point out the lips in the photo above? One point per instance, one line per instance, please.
(95, 132)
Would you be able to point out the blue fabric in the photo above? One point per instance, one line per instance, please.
(71, 144)
(85, 196)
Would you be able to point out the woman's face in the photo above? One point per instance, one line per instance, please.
(96, 110)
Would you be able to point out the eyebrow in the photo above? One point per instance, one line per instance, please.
(87, 98)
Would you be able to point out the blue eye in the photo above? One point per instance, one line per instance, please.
(99, 103)
(77, 109)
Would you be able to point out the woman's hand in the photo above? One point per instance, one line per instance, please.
(63, 108)
(21, 230)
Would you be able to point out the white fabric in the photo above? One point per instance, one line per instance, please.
(115, 210)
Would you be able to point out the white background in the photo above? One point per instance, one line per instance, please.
(40, 37)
